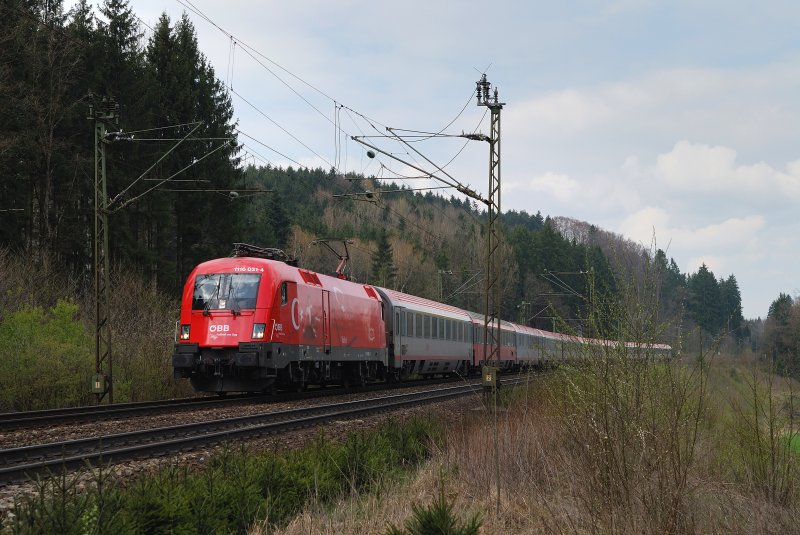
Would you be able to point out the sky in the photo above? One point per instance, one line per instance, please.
(670, 123)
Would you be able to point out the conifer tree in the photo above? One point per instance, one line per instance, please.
(383, 271)
(278, 220)
(731, 307)
(704, 303)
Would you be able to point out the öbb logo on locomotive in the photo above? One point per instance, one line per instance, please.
(232, 338)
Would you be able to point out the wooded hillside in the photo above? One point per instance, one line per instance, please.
(556, 269)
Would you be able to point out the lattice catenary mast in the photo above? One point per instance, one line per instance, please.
(491, 326)
(103, 112)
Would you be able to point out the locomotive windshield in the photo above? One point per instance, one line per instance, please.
(232, 291)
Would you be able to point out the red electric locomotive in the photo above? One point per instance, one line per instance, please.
(253, 323)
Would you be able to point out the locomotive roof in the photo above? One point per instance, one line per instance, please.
(281, 271)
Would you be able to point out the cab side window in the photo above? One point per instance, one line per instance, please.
(284, 293)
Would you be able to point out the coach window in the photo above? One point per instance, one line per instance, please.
(409, 323)
(435, 328)
(284, 294)
(427, 326)
(418, 325)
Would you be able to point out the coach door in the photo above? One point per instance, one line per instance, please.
(398, 336)
(326, 321)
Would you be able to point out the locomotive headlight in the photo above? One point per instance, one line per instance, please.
(184, 332)
(258, 330)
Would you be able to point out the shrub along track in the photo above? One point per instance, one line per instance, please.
(23, 463)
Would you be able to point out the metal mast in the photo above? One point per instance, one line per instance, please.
(102, 112)
(491, 333)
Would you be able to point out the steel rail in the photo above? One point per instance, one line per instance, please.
(16, 420)
(11, 421)
(29, 461)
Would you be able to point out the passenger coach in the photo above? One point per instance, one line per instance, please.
(426, 337)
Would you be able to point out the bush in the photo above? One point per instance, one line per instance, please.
(48, 358)
(47, 340)
(143, 325)
(436, 519)
(764, 446)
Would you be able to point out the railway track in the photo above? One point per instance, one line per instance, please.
(12, 421)
(24, 463)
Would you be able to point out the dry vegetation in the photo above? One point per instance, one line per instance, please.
(616, 447)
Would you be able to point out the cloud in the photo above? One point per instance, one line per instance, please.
(562, 112)
(746, 106)
(708, 169)
(559, 186)
(737, 232)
